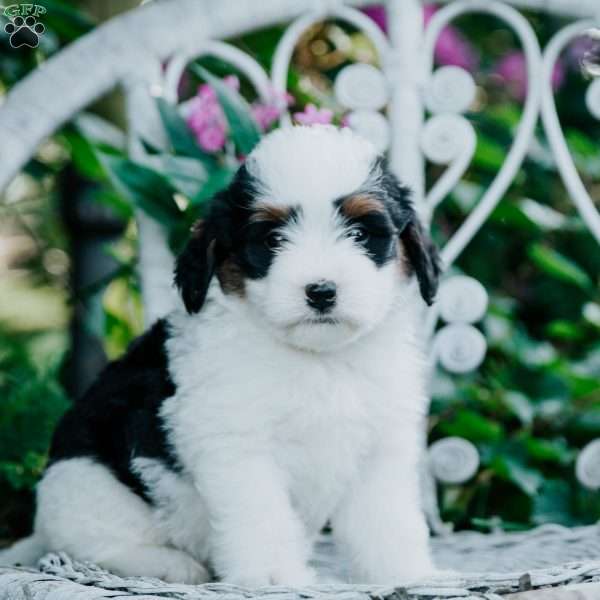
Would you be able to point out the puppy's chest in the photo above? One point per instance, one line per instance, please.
(321, 441)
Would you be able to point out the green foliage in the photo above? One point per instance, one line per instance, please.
(183, 177)
(32, 402)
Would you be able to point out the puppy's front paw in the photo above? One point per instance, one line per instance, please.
(289, 575)
(185, 570)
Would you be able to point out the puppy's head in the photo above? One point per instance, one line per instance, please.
(314, 236)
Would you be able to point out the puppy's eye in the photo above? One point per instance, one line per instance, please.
(274, 240)
(358, 234)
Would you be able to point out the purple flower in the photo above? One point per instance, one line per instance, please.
(513, 70)
(451, 47)
(378, 14)
(314, 116)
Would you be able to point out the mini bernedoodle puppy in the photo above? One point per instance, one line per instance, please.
(287, 391)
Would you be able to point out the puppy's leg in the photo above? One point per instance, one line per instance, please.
(380, 526)
(257, 539)
(164, 563)
(86, 512)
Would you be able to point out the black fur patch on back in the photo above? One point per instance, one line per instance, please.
(118, 419)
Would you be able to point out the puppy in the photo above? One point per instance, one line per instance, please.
(285, 393)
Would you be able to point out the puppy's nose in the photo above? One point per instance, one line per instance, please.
(321, 295)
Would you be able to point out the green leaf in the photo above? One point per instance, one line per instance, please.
(564, 330)
(180, 137)
(83, 155)
(552, 504)
(519, 405)
(144, 188)
(523, 476)
(587, 422)
(556, 450)
(489, 154)
(558, 266)
(66, 20)
(188, 175)
(472, 426)
(244, 129)
(217, 181)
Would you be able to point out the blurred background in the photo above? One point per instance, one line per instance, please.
(69, 290)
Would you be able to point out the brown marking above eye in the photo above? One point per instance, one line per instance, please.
(359, 205)
(270, 212)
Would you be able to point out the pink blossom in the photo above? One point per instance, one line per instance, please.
(513, 70)
(232, 81)
(206, 120)
(451, 48)
(314, 116)
(266, 113)
(212, 138)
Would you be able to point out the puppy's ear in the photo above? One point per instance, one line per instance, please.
(195, 266)
(422, 255)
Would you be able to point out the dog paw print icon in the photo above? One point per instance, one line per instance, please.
(24, 32)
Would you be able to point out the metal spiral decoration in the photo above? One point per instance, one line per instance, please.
(591, 60)
(462, 299)
(453, 460)
(361, 86)
(450, 89)
(363, 89)
(592, 98)
(459, 346)
(445, 137)
(587, 467)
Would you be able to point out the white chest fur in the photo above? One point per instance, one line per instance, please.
(318, 416)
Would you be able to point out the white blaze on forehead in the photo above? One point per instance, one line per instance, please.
(310, 166)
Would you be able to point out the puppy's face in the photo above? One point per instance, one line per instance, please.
(314, 236)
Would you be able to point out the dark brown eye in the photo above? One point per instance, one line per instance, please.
(358, 234)
(274, 240)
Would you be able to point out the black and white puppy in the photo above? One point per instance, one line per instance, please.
(286, 392)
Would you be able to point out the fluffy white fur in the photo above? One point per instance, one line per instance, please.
(280, 424)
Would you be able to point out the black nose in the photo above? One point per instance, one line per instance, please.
(321, 295)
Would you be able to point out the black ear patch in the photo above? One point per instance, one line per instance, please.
(421, 252)
(195, 267)
(423, 258)
(214, 245)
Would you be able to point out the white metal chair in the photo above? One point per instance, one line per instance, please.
(423, 121)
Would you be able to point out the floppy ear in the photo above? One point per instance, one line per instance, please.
(422, 256)
(195, 266)
(420, 251)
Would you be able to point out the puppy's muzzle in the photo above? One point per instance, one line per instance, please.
(321, 295)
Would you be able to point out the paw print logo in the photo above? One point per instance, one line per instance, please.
(24, 32)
